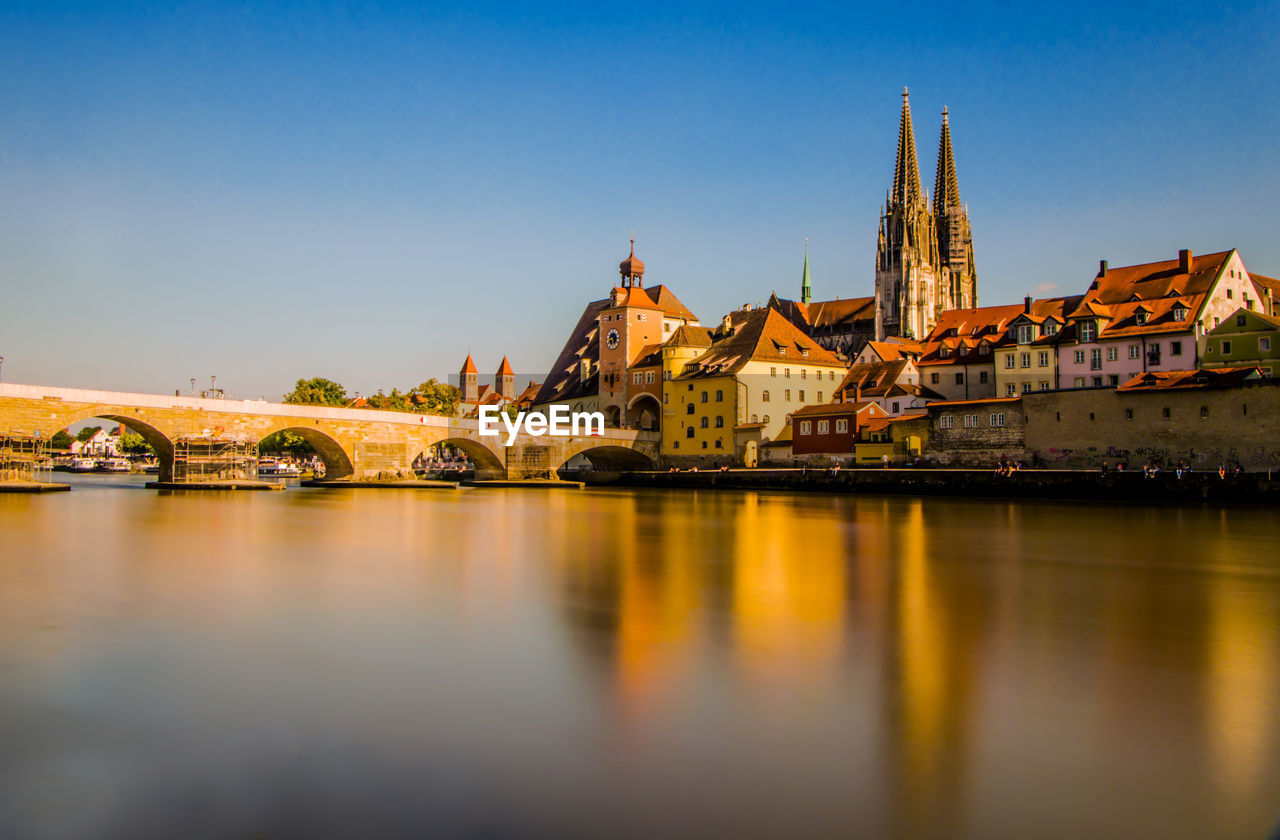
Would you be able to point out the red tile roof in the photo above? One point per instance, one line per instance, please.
(469, 366)
(504, 369)
(1169, 380)
(759, 335)
(836, 408)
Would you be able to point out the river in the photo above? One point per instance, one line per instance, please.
(603, 663)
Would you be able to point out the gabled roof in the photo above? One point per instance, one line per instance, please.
(563, 382)
(1169, 380)
(956, 325)
(841, 312)
(874, 379)
(1156, 279)
(666, 300)
(821, 409)
(760, 335)
(689, 336)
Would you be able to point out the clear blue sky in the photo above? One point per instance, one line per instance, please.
(367, 191)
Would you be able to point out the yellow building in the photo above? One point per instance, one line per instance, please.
(1026, 355)
(757, 367)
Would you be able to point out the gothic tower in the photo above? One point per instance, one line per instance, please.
(957, 280)
(907, 261)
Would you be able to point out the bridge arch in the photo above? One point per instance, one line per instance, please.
(488, 464)
(157, 439)
(613, 458)
(337, 461)
(644, 412)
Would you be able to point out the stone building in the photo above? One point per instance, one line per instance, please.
(975, 433)
(924, 251)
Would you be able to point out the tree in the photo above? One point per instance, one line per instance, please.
(395, 401)
(317, 391)
(285, 442)
(134, 444)
(87, 432)
(61, 440)
(432, 397)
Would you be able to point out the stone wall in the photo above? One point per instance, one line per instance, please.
(979, 445)
(1204, 427)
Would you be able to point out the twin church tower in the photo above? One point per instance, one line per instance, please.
(924, 252)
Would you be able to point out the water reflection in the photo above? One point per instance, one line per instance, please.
(511, 663)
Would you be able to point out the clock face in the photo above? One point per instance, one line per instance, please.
(611, 340)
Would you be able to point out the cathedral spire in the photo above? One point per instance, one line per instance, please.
(946, 192)
(806, 291)
(906, 171)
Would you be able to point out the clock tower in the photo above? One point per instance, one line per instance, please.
(630, 322)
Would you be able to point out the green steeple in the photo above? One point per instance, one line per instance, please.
(806, 291)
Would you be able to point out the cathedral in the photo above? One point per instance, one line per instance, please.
(924, 251)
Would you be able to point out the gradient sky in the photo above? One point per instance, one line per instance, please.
(368, 191)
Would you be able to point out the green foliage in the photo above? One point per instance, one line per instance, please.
(61, 440)
(511, 410)
(87, 432)
(395, 401)
(432, 397)
(317, 391)
(134, 444)
(284, 443)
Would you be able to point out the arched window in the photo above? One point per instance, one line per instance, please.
(719, 396)
(755, 418)
(688, 432)
(764, 397)
(705, 422)
(719, 422)
(688, 409)
(765, 419)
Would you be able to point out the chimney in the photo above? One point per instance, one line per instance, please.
(1184, 261)
(857, 391)
(1102, 268)
(1026, 304)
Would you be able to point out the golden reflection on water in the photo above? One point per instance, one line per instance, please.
(618, 663)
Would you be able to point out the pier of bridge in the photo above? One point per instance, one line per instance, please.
(353, 443)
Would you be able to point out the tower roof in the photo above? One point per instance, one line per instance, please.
(504, 369)
(632, 266)
(806, 290)
(469, 366)
(946, 192)
(906, 171)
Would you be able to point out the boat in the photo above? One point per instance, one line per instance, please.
(270, 466)
(113, 465)
(83, 465)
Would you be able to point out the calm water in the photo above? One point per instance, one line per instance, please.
(494, 663)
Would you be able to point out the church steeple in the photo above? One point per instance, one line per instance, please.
(806, 291)
(958, 277)
(946, 192)
(906, 170)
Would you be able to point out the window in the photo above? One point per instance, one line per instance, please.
(764, 397)
(1095, 359)
(719, 422)
(719, 396)
(786, 395)
(944, 422)
(959, 378)
(831, 374)
(824, 426)
(984, 349)
(971, 421)
(666, 398)
(1026, 387)
(1140, 318)
(1128, 414)
(786, 372)
(1229, 292)
(755, 418)
(1113, 380)
(704, 444)
(636, 378)
(803, 373)
(649, 377)
(945, 352)
(802, 396)
(895, 408)
(1226, 348)
(805, 426)
(1043, 359)
(1008, 362)
(1113, 353)
(1097, 382)
(765, 419)
(997, 420)
(1135, 352)
(1175, 348)
(819, 396)
(1010, 389)
(719, 443)
(1264, 344)
(688, 409)
(1079, 357)
(1044, 384)
(1166, 413)
(1241, 320)
(1024, 360)
(1088, 330)
(1025, 332)
(675, 444)
(1179, 314)
(703, 398)
(773, 371)
(1204, 412)
(842, 426)
(688, 432)
(705, 422)
(982, 377)
(1079, 381)
(933, 378)
(1091, 417)
(1050, 328)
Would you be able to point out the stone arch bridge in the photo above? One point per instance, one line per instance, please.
(353, 443)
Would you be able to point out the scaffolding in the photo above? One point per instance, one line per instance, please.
(214, 459)
(22, 457)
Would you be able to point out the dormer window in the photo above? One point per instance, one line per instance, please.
(1179, 313)
(984, 349)
(1140, 318)
(1050, 328)
(945, 352)
(1026, 333)
(1088, 330)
